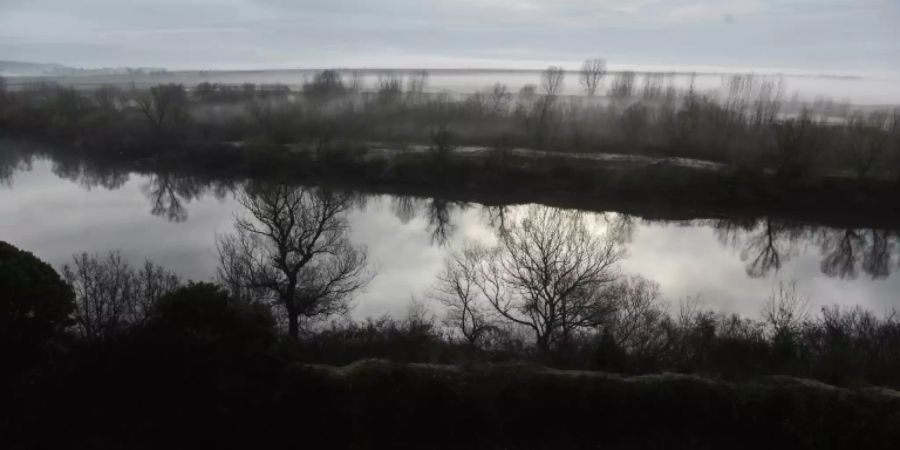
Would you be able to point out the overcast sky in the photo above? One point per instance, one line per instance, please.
(835, 36)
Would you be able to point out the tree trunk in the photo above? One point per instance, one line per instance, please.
(543, 344)
(293, 325)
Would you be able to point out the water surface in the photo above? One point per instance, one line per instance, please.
(55, 210)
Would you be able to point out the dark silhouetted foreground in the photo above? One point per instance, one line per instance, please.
(191, 366)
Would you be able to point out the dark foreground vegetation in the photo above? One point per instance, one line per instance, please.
(758, 149)
(112, 356)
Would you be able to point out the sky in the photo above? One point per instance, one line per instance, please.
(817, 36)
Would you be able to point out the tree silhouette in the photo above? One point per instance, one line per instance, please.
(549, 275)
(592, 72)
(293, 250)
(35, 305)
(457, 288)
(166, 109)
(111, 296)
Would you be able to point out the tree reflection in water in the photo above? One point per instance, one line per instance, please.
(88, 175)
(438, 214)
(763, 244)
(848, 250)
(11, 161)
(169, 192)
(496, 217)
(620, 226)
(405, 207)
(766, 244)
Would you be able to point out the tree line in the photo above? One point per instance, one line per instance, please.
(748, 124)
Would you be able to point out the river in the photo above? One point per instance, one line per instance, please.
(731, 265)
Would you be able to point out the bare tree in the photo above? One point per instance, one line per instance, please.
(639, 315)
(552, 80)
(527, 93)
(166, 108)
(592, 73)
(548, 274)
(622, 85)
(551, 83)
(768, 101)
(416, 83)
(442, 141)
(293, 251)
(325, 86)
(867, 141)
(388, 87)
(786, 309)
(653, 86)
(111, 296)
(796, 142)
(357, 83)
(893, 128)
(499, 98)
(457, 288)
(107, 98)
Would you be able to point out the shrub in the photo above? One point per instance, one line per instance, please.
(35, 305)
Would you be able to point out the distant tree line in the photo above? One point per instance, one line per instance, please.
(748, 124)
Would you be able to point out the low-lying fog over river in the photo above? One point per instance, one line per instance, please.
(56, 210)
